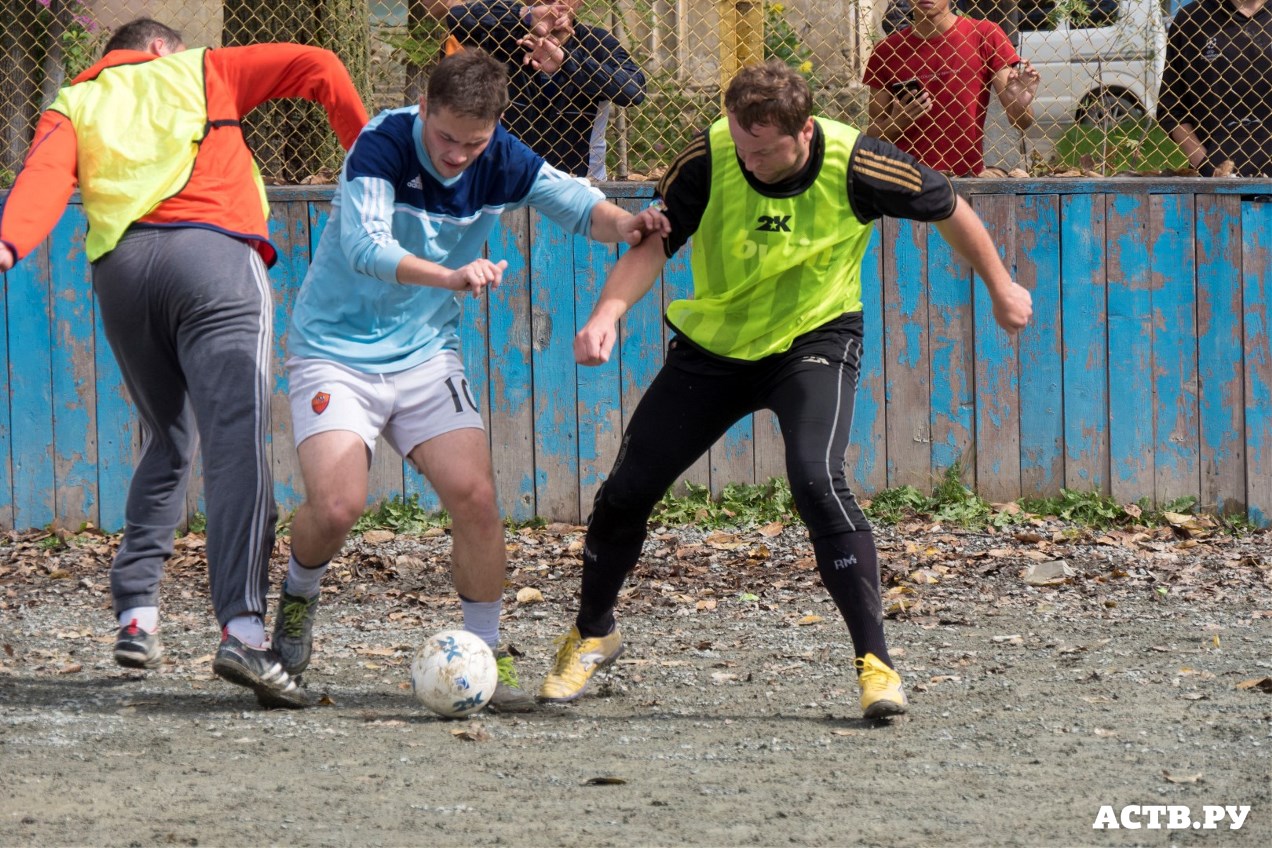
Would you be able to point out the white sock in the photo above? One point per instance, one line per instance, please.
(147, 618)
(303, 581)
(248, 629)
(481, 618)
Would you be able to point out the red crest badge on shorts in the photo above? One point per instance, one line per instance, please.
(319, 403)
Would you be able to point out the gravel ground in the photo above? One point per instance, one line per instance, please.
(1140, 676)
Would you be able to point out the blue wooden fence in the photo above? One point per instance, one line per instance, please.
(1146, 373)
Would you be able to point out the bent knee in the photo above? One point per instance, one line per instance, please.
(474, 502)
(337, 514)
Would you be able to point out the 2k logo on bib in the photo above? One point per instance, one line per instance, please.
(319, 403)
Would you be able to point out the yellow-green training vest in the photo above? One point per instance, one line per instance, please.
(769, 269)
(138, 129)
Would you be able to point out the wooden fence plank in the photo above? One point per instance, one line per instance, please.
(1220, 367)
(1041, 401)
(294, 228)
(907, 385)
(1130, 310)
(74, 374)
(6, 425)
(118, 442)
(867, 457)
(1176, 433)
(511, 410)
(950, 328)
(732, 457)
(556, 425)
(1256, 266)
(1084, 337)
(996, 394)
(31, 389)
(600, 391)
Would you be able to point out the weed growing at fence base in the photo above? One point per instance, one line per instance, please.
(737, 505)
(951, 503)
(401, 515)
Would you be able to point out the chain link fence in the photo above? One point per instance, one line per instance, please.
(634, 80)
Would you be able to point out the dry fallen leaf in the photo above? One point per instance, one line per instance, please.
(378, 537)
(529, 595)
(809, 619)
(1263, 684)
(773, 528)
(473, 732)
(371, 651)
(1181, 778)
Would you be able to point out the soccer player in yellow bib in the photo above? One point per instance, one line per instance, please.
(780, 205)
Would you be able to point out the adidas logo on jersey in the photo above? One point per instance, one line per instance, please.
(416, 182)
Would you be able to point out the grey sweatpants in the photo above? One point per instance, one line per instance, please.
(189, 315)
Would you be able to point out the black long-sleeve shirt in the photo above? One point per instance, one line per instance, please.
(561, 116)
(1217, 62)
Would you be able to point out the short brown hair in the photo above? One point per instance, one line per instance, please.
(772, 94)
(137, 35)
(469, 83)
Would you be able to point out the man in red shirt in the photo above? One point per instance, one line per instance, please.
(930, 87)
(179, 244)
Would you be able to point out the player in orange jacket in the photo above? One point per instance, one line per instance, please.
(179, 247)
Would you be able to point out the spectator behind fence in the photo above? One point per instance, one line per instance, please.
(1213, 100)
(178, 242)
(930, 87)
(564, 76)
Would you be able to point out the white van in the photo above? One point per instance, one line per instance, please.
(1100, 61)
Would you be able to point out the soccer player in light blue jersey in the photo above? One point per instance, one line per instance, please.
(374, 344)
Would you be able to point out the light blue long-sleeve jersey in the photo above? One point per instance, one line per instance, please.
(391, 203)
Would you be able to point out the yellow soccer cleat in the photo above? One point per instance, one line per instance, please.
(881, 692)
(577, 660)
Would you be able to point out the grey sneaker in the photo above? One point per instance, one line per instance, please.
(293, 638)
(135, 648)
(259, 669)
(509, 697)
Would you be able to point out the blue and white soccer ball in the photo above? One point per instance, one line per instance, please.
(454, 673)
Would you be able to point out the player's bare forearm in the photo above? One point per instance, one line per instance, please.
(612, 224)
(628, 282)
(964, 231)
(473, 277)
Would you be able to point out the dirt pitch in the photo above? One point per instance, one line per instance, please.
(1140, 676)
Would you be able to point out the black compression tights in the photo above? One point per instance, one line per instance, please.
(690, 404)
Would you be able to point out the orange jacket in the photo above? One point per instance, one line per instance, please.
(221, 193)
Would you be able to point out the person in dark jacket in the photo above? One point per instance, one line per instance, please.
(1210, 101)
(565, 77)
